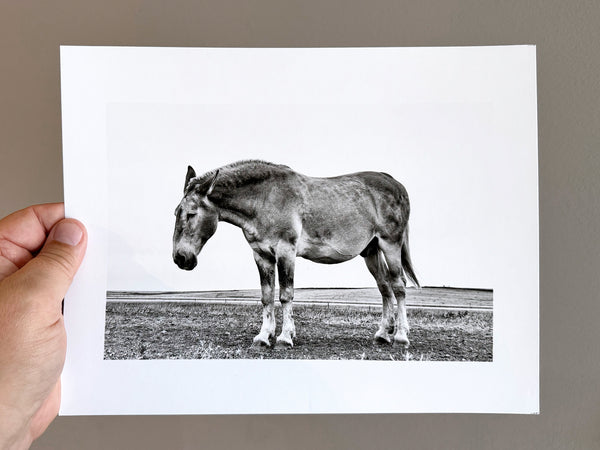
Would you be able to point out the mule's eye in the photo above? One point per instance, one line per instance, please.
(190, 216)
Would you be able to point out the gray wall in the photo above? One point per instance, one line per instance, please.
(568, 38)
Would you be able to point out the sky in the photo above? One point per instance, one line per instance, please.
(442, 152)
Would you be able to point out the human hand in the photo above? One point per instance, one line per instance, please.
(40, 252)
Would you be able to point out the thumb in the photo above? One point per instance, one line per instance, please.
(47, 277)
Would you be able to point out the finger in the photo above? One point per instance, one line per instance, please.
(29, 227)
(47, 277)
(7, 266)
(24, 232)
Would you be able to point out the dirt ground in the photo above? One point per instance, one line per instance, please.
(199, 330)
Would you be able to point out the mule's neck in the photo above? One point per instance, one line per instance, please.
(238, 192)
(236, 217)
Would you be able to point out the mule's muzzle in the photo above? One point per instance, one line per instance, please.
(185, 261)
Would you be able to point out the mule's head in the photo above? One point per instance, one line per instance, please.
(196, 219)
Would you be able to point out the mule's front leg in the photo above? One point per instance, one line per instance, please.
(266, 269)
(285, 269)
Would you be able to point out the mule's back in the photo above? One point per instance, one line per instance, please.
(343, 214)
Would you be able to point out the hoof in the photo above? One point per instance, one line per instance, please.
(284, 342)
(382, 337)
(401, 341)
(260, 341)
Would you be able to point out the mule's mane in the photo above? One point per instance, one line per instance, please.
(239, 173)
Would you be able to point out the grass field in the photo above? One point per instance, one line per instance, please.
(189, 330)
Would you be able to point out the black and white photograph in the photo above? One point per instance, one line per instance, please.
(313, 216)
(225, 308)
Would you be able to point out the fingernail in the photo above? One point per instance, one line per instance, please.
(68, 233)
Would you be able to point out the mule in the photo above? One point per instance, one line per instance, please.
(284, 214)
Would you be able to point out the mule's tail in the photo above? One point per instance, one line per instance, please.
(406, 261)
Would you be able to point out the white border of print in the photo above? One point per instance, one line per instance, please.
(93, 77)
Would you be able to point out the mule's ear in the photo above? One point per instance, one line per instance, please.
(191, 173)
(212, 182)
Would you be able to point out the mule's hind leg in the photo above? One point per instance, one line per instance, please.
(393, 257)
(266, 270)
(378, 269)
(285, 270)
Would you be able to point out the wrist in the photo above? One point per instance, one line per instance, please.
(14, 431)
